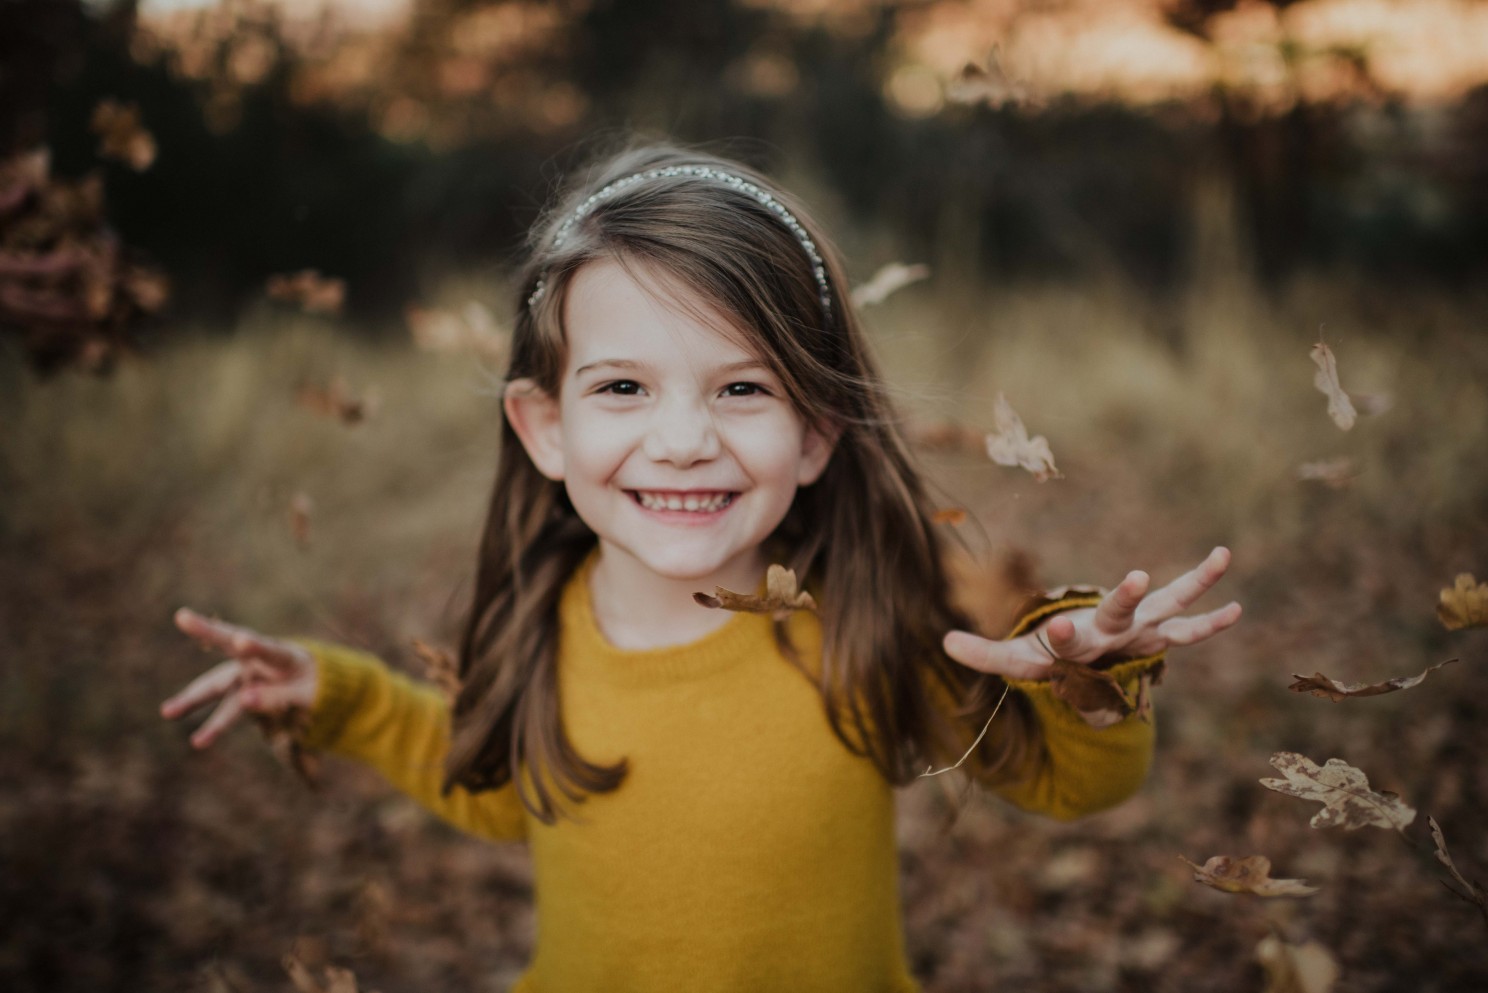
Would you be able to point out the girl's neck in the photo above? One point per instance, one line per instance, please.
(636, 608)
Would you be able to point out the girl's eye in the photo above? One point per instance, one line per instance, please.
(622, 387)
(743, 389)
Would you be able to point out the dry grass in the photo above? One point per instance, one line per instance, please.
(134, 864)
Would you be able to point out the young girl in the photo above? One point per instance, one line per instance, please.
(708, 795)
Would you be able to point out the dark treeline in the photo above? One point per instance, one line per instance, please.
(993, 194)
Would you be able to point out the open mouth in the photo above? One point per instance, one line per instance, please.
(695, 502)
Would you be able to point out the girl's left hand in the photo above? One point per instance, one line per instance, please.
(1128, 621)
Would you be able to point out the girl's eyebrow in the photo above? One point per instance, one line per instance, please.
(632, 364)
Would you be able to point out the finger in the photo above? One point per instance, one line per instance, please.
(203, 689)
(1190, 630)
(229, 710)
(1118, 607)
(1178, 595)
(1014, 659)
(236, 640)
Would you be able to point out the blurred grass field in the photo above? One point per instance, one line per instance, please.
(1179, 423)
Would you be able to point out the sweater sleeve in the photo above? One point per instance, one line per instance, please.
(400, 727)
(1079, 769)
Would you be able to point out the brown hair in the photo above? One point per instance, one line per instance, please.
(862, 534)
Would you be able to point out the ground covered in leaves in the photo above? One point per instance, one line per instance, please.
(130, 862)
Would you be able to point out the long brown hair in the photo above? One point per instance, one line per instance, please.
(862, 534)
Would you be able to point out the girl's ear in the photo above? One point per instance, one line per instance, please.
(816, 451)
(536, 418)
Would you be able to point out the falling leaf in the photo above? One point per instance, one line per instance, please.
(1474, 893)
(781, 596)
(310, 291)
(300, 508)
(989, 84)
(1251, 874)
(1344, 792)
(440, 668)
(471, 330)
(336, 401)
(891, 278)
(1148, 679)
(954, 516)
(1464, 605)
(282, 732)
(1094, 693)
(121, 136)
(1336, 472)
(1307, 968)
(1326, 380)
(337, 980)
(1010, 445)
(1320, 685)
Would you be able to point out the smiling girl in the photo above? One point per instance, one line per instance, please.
(708, 796)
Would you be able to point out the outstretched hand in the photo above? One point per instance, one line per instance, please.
(1128, 621)
(263, 676)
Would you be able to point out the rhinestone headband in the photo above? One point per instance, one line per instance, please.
(818, 268)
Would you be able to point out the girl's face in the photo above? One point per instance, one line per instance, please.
(677, 447)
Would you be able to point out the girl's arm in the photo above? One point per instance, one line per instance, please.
(400, 727)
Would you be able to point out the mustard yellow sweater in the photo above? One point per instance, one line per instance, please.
(747, 849)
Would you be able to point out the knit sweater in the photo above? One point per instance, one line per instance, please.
(747, 848)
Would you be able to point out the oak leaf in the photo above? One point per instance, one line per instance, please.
(1148, 679)
(1326, 379)
(1306, 968)
(337, 980)
(1344, 792)
(1251, 874)
(282, 732)
(1464, 604)
(1094, 693)
(1473, 893)
(1320, 685)
(888, 280)
(1010, 445)
(782, 596)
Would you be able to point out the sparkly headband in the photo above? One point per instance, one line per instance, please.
(818, 268)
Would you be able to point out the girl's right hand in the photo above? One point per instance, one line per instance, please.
(263, 676)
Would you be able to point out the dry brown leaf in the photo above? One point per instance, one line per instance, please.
(1336, 472)
(782, 596)
(1464, 604)
(282, 732)
(1148, 679)
(888, 280)
(989, 84)
(121, 136)
(1344, 792)
(300, 508)
(1094, 693)
(954, 516)
(1010, 445)
(1473, 893)
(309, 290)
(1306, 968)
(440, 667)
(337, 980)
(470, 330)
(336, 401)
(1251, 874)
(1320, 685)
(1339, 407)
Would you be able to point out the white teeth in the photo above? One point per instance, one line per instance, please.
(691, 502)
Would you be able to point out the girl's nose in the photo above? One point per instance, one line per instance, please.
(681, 434)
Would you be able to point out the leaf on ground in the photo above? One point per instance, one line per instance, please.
(471, 330)
(1336, 472)
(1464, 604)
(1320, 685)
(300, 509)
(336, 401)
(1473, 893)
(121, 136)
(440, 667)
(1305, 968)
(953, 516)
(1339, 407)
(1251, 874)
(1094, 693)
(1344, 792)
(309, 290)
(782, 596)
(337, 980)
(1010, 445)
(888, 280)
